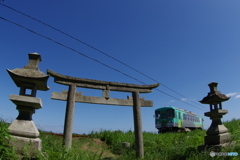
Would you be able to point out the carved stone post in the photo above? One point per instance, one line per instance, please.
(217, 134)
(29, 79)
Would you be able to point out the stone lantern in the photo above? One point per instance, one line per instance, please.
(217, 134)
(23, 131)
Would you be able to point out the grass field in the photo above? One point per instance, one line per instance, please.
(108, 145)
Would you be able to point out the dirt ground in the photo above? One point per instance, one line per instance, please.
(98, 147)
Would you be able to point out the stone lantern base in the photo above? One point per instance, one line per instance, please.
(30, 146)
(217, 139)
(23, 128)
(216, 148)
(24, 137)
(217, 142)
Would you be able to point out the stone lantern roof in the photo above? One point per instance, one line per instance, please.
(30, 74)
(214, 96)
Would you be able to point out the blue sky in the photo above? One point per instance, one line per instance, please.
(184, 45)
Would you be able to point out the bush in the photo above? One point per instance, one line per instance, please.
(6, 151)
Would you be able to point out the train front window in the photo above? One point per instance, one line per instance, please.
(170, 113)
(157, 114)
(165, 114)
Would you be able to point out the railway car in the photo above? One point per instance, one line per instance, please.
(172, 119)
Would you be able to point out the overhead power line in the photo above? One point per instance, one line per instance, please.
(91, 58)
(99, 52)
(70, 49)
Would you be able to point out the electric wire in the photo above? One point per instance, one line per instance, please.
(91, 58)
(90, 46)
(70, 49)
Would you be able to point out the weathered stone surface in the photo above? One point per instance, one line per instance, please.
(217, 139)
(97, 84)
(23, 128)
(101, 100)
(33, 145)
(125, 144)
(107, 86)
(67, 133)
(218, 112)
(217, 135)
(217, 126)
(137, 118)
(30, 74)
(217, 129)
(23, 75)
(217, 148)
(32, 102)
(214, 96)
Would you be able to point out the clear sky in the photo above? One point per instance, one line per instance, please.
(184, 45)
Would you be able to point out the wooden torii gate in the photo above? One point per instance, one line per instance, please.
(71, 96)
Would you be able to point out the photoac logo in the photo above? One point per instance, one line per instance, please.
(212, 154)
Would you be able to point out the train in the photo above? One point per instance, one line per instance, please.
(172, 119)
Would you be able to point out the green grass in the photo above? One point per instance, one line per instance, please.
(6, 151)
(168, 146)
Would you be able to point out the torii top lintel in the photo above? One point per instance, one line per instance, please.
(103, 85)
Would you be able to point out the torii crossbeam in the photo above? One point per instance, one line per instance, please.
(71, 96)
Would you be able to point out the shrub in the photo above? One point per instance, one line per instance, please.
(6, 151)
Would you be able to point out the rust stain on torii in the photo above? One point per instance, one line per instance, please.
(71, 96)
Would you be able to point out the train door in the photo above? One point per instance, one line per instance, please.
(179, 119)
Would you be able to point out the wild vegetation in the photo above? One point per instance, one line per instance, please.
(108, 145)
